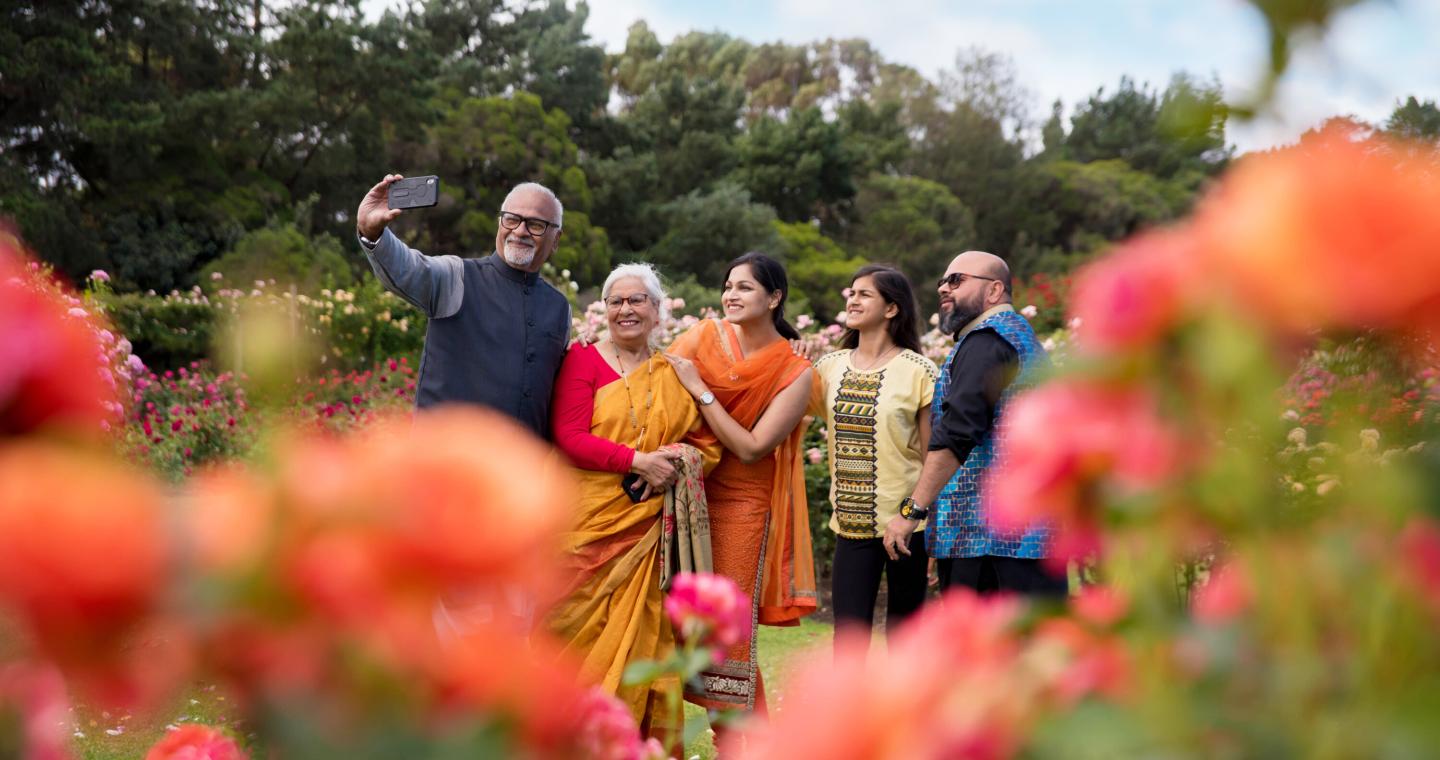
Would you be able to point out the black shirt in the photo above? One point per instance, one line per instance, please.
(980, 371)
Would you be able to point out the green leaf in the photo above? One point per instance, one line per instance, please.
(692, 663)
(644, 671)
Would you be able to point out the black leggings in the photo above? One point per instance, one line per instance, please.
(855, 581)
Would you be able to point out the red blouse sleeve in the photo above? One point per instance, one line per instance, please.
(571, 408)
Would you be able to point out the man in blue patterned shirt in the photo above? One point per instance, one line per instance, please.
(996, 354)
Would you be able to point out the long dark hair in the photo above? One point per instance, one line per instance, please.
(894, 287)
(771, 276)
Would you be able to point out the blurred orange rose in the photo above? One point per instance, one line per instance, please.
(332, 554)
(1334, 232)
(492, 670)
(83, 547)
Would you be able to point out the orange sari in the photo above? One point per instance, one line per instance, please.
(612, 614)
(759, 524)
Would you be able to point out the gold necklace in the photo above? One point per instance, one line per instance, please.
(878, 360)
(649, 393)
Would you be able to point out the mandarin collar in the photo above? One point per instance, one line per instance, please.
(511, 273)
(988, 313)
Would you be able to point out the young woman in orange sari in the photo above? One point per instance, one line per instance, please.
(616, 404)
(753, 391)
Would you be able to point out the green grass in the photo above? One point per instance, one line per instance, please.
(112, 735)
(102, 735)
(781, 650)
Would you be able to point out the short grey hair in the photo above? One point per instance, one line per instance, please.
(650, 280)
(543, 190)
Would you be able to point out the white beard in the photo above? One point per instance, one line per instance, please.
(519, 256)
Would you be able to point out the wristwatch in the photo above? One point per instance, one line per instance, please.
(912, 511)
(707, 398)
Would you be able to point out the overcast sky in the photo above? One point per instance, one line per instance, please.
(1065, 49)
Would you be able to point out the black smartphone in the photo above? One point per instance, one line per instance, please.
(413, 192)
(634, 486)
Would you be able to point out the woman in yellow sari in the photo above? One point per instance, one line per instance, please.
(617, 403)
(753, 391)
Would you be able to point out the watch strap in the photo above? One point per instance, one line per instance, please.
(912, 511)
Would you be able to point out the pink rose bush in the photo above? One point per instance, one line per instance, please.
(708, 610)
(932, 692)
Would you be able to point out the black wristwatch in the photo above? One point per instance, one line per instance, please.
(912, 511)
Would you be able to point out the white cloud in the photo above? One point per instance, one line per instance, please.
(610, 21)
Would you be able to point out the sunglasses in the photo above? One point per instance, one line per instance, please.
(956, 279)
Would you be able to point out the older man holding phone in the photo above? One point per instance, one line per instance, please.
(497, 332)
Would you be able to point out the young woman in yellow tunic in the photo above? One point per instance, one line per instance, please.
(753, 391)
(616, 404)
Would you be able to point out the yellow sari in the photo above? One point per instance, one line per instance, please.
(612, 613)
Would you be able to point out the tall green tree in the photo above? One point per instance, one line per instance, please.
(1415, 120)
(800, 166)
(561, 65)
(481, 148)
(818, 269)
(915, 224)
(1179, 131)
(705, 230)
(1107, 200)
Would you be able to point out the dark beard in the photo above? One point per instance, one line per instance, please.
(958, 316)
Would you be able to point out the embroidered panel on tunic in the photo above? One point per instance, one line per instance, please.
(855, 411)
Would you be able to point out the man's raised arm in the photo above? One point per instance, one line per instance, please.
(434, 285)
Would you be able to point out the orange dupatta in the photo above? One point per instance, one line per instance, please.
(745, 387)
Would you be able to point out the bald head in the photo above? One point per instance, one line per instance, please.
(984, 264)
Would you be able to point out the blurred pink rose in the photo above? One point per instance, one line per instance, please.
(607, 729)
(1129, 299)
(1225, 596)
(100, 275)
(37, 694)
(1420, 558)
(196, 742)
(816, 456)
(1103, 606)
(1090, 662)
(1069, 443)
(708, 609)
(953, 683)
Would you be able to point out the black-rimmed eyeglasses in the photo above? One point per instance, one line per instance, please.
(534, 225)
(956, 279)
